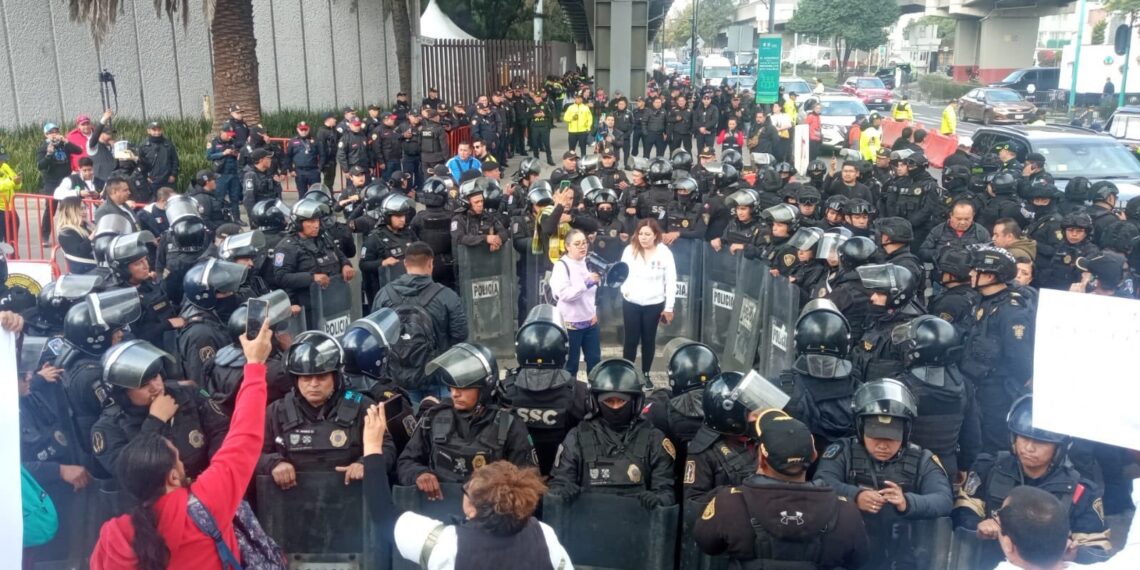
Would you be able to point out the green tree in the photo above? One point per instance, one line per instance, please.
(946, 26)
(852, 25)
(712, 16)
(555, 25)
(1126, 6)
(488, 19)
(1098, 32)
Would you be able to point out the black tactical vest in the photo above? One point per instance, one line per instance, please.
(621, 466)
(541, 398)
(323, 443)
(437, 231)
(864, 470)
(1006, 474)
(454, 459)
(941, 409)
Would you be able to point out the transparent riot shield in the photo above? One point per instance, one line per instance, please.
(932, 542)
(717, 297)
(610, 320)
(487, 285)
(601, 530)
(965, 550)
(535, 275)
(688, 255)
(331, 306)
(335, 529)
(409, 498)
(781, 299)
(691, 556)
(748, 315)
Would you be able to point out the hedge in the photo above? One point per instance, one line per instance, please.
(938, 88)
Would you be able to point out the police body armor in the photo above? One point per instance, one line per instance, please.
(681, 216)
(614, 467)
(736, 464)
(824, 404)
(324, 444)
(653, 202)
(541, 398)
(437, 233)
(681, 419)
(185, 429)
(941, 396)
(394, 244)
(738, 232)
(477, 225)
(453, 459)
(1061, 482)
(772, 553)
(902, 471)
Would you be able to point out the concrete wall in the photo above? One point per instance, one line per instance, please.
(1006, 44)
(314, 55)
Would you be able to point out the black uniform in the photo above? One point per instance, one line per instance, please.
(956, 305)
(917, 198)
(196, 430)
(874, 356)
(451, 444)
(297, 259)
(716, 460)
(433, 227)
(538, 130)
(822, 404)
(223, 375)
(1046, 230)
(211, 207)
(327, 139)
(354, 149)
(158, 161)
(303, 156)
(1060, 270)
(1002, 206)
(472, 230)
(947, 421)
(172, 263)
(680, 129)
(257, 186)
(740, 232)
(595, 458)
(382, 243)
(156, 314)
(852, 299)
(549, 402)
(199, 341)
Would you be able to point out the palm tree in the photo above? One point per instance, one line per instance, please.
(232, 42)
(402, 24)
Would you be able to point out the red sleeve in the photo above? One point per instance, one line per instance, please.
(224, 482)
(739, 139)
(720, 138)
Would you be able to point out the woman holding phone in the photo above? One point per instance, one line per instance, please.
(649, 291)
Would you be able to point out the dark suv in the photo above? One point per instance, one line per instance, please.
(1069, 152)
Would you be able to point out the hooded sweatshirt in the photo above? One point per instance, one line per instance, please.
(220, 489)
(1023, 247)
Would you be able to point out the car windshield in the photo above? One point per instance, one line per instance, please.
(719, 72)
(741, 81)
(1013, 76)
(848, 107)
(800, 86)
(870, 83)
(1002, 96)
(1093, 159)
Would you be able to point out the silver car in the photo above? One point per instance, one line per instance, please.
(838, 114)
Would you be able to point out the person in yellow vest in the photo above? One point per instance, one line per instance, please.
(950, 118)
(790, 108)
(579, 122)
(10, 183)
(872, 138)
(901, 110)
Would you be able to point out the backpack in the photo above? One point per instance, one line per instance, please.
(258, 550)
(417, 343)
(40, 519)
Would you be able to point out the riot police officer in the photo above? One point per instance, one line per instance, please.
(1076, 196)
(956, 187)
(847, 290)
(1038, 458)
(223, 374)
(678, 411)
(913, 195)
(684, 215)
(433, 227)
(1105, 197)
(720, 453)
(141, 399)
(894, 236)
(744, 228)
(819, 381)
(127, 257)
(181, 246)
(771, 246)
(892, 303)
(889, 478)
(211, 207)
(617, 451)
(248, 249)
(210, 286)
(367, 343)
(1003, 202)
(612, 232)
(1045, 228)
(475, 226)
(354, 147)
(540, 392)
(258, 182)
(383, 249)
(957, 300)
(998, 357)
(1060, 270)
(653, 202)
(307, 257)
(857, 214)
(55, 300)
(319, 425)
(466, 431)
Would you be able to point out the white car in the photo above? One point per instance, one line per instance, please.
(839, 112)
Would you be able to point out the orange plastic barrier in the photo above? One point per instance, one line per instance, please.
(22, 220)
(892, 129)
(938, 146)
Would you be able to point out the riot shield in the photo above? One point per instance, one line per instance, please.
(691, 556)
(487, 285)
(688, 255)
(965, 550)
(331, 306)
(932, 542)
(409, 498)
(534, 280)
(717, 296)
(781, 299)
(336, 530)
(748, 315)
(601, 530)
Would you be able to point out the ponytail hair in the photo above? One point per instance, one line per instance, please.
(142, 469)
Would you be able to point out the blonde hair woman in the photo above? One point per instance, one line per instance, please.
(73, 234)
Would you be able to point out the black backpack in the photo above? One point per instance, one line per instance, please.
(417, 343)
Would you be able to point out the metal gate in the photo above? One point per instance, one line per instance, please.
(463, 70)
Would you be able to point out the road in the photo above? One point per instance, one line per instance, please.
(931, 117)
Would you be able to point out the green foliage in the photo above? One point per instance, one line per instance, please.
(1098, 32)
(712, 15)
(488, 19)
(189, 136)
(939, 88)
(555, 25)
(861, 24)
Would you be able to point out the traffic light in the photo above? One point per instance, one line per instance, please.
(1121, 39)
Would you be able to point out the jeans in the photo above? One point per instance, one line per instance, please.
(655, 141)
(306, 178)
(584, 340)
(640, 328)
(389, 167)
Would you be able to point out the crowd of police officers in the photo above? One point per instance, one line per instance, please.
(912, 361)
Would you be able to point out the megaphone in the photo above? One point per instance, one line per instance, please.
(613, 274)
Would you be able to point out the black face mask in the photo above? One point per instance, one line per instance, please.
(605, 216)
(617, 419)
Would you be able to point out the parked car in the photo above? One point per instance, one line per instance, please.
(836, 117)
(1124, 125)
(870, 90)
(887, 74)
(995, 105)
(792, 84)
(1042, 79)
(1069, 152)
(741, 82)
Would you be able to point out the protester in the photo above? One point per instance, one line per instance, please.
(648, 293)
(74, 235)
(575, 289)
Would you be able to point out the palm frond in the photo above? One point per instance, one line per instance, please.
(101, 15)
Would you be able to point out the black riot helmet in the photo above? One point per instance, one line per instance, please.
(895, 281)
(724, 413)
(896, 229)
(686, 186)
(856, 251)
(127, 249)
(134, 363)
(467, 365)
(855, 206)
(784, 214)
(681, 159)
(246, 245)
(367, 340)
(1103, 190)
(280, 311)
(1132, 213)
(1020, 423)
(689, 365)
(1042, 187)
(271, 215)
(542, 340)
(1004, 183)
(955, 262)
(990, 163)
(1078, 190)
(785, 169)
(600, 196)
(822, 329)
(313, 353)
(492, 194)
(955, 176)
(589, 184)
(917, 161)
(884, 408)
(816, 168)
(926, 341)
(469, 189)
(190, 233)
(733, 158)
(530, 167)
(660, 172)
(1077, 219)
(373, 194)
(58, 297)
(180, 207)
(310, 208)
(89, 326)
(210, 277)
(729, 176)
(615, 375)
(107, 229)
(434, 192)
(995, 260)
(837, 202)
(396, 205)
(744, 197)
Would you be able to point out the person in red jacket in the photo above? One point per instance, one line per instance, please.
(159, 533)
(815, 131)
(79, 136)
(731, 137)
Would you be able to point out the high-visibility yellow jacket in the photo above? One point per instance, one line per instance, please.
(949, 120)
(791, 111)
(8, 185)
(901, 111)
(869, 142)
(578, 118)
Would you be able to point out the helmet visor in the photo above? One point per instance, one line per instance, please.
(133, 363)
(397, 204)
(806, 238)
(889, 398)
(826, 366)
(245, 244)
(878, 277)
(224, 276)
(740, 198)
(828, 246)
(112, 225)
(383, 325)
(75, 286)
(546, 313)
(462, 366)
(116, 308)
(179, 207)
(31, 351)
(756, 393)
(280, 307)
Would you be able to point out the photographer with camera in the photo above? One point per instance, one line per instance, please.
(53, 159)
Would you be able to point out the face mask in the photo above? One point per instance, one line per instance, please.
(619, 418)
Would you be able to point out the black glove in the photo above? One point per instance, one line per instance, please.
(567, 492)
(649, 499)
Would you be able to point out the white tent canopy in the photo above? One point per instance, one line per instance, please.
(435, 24)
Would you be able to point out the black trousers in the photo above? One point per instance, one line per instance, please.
(540, 141)
(579, 140)
(679, 140)
(656, 141)
(640, 323)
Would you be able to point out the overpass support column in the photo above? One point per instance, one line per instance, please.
(997, 45)
(966, 38)
(621, 44)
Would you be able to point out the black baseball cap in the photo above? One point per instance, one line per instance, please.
(569, 154)
(1107, 267)
(1035, 157)
(786, 443)
(489, 164)
(357, 171)
(204, 176)
(259, 154)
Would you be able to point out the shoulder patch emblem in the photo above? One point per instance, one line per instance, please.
(454, 225)
(690, 472)
(946, 317)
(197, 440)
(278, 259)
(97, 442)
(1098, 508)
(684, 223)
(831, 451)
(1019, 331)
(249, 184)
(789, 259)
(973, 481)
(668, 445)
(981, 312)
(206, 353)
(724, 450)
(1059, 234)
(1068, 260)
(710, 510)
(868, 345)
(479, 461)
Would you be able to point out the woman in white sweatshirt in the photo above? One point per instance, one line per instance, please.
(649, 291)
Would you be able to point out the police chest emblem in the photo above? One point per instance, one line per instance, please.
(690, 472)
(789, 259)
(831, 451)
(710, 510)
(634, 473)
(684, 223)
(1060, 235)
(724, 450)
(59, 437)
(601, 244)
(197, 440)
(868, 345)
(338, 438)
(918, 191)
(1068, 260)
(97, 443)
(979, 314)
(668, 445)
(294, 438)
(613, 233)
(478, 461)
(1019, 331)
